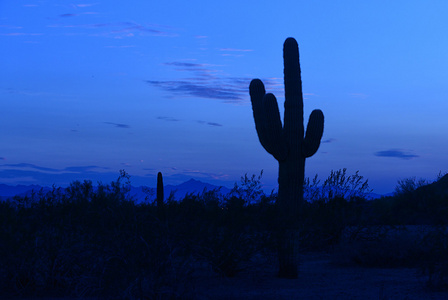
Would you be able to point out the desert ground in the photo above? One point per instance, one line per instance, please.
(321, 278)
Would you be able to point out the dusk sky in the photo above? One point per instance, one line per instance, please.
(89, 88)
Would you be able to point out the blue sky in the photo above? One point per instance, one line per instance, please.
(89, 88)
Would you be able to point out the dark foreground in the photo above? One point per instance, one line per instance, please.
(320, 278)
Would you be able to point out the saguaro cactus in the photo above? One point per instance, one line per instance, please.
(289, 147)
(159, 191)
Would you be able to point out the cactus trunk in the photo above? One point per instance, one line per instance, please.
(290, 196)
(159, 199)
(289, 147)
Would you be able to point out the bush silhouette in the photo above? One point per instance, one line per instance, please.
(95, 241)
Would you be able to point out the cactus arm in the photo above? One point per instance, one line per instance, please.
(314, 132)
(267, 120)
(257, 92)
(274, 128)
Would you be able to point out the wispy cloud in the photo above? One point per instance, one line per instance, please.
(20, 34)
(396, 153)
(75, 169)
(169, 119)
(330, 140)
(84, 5)
(358, 95)
(207, 82)
(68, 15)
(186, 65)
(201, 71)
(32, 93)
(117, 30)
(15, 175)
(10, 26)
(83, 169)
(129, 28)
(219, 176)
(210, 123)
(118, 125)
(122, 46)
(189, 88)
(29, 166)
(234, 52)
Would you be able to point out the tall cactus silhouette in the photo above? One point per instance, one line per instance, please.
(159, 198)
(289, 147)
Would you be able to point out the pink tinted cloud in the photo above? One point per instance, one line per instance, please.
(84, 5)
(123, 29)
(235, 50)
(206, 174)
(20, 34)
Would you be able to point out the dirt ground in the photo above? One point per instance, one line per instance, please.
(320, 278)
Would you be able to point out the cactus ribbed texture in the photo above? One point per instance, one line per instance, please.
(289, 147)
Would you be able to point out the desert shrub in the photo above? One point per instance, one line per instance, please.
(337, 185)
(408, 185)
(249, 189)
(328, 208)
(89, 242)
(220, 232)
(418, 202)
(225, 231)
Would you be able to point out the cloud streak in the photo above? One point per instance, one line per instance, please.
(117, 30)
(359, 95)
(118, 125)
(210, 123)
(83, 169)
(68, 15)
(206, 82)
(330, 140)
(195, 89)
(27, 166)
(27, 176)
(168, 119)
(396, 153)
(219, 176)
(26, 173)
(234, 52)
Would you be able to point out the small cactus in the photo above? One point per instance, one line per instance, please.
(159, 199)
(290, 146)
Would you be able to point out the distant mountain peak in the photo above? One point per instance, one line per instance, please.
(192, 180)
